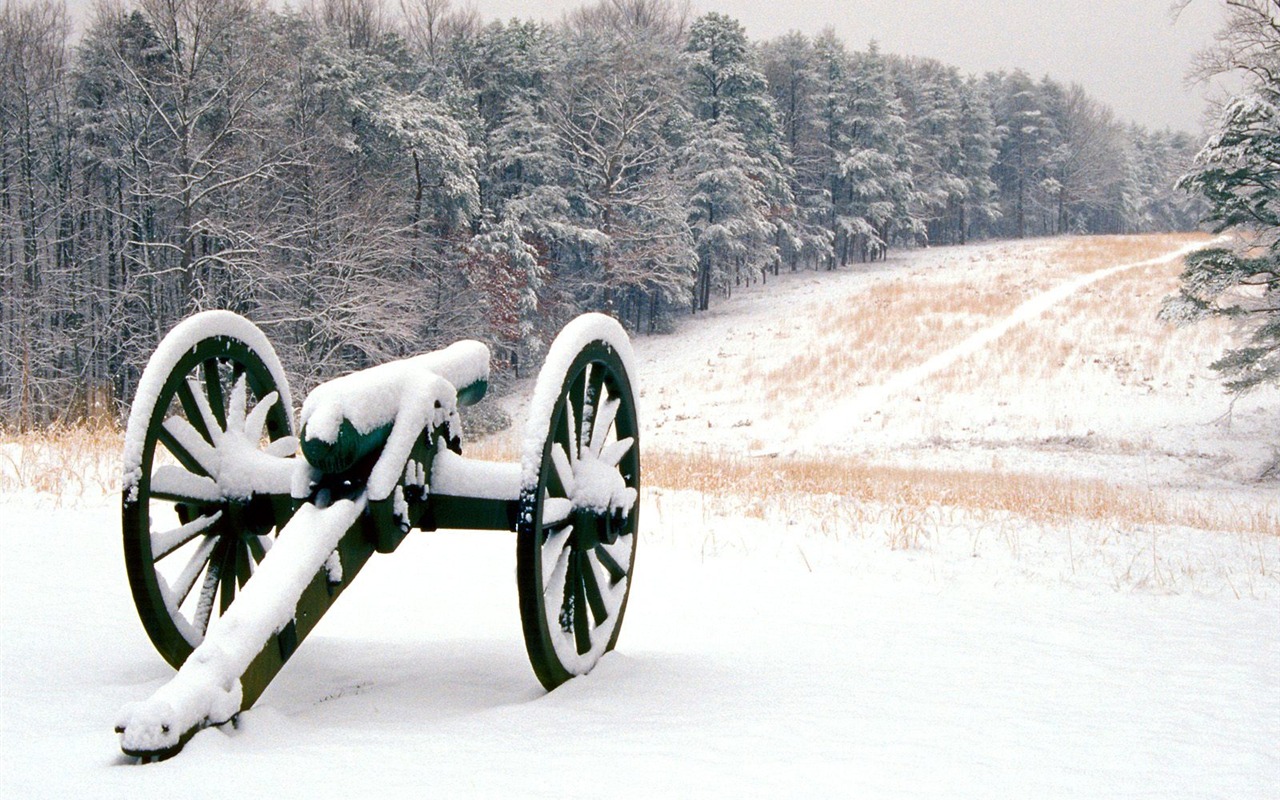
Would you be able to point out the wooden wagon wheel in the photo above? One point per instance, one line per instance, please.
(207, 474)
(576, 533)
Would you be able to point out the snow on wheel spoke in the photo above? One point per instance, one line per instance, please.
(284, 447)
(591, 399)
(591, 585)
(581, 622)
(555, 510)
(170, 482)
(187, 391)
(616, 557)
(165, 542)
(571, 422)
(217, 403)
(211, 420)
(256, 422)
(603, 424)
(190, 445)
(564, 469)
(237, 408)
(208, 592)
(613, 453)
(187, 578)
(258, 547)
(237, 463)
(555, 553)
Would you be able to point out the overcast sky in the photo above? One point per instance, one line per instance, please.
(1128, 54)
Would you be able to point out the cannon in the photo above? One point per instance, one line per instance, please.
(241, 530)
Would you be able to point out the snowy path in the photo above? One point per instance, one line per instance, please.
(838, 423)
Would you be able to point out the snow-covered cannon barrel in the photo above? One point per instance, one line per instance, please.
(240, 531)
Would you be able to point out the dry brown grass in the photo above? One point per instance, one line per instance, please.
(501, 445)
(64, 461)
(1039, 498)
(899, 324)
(1112, 324)
(1088, 253)
(892, 327)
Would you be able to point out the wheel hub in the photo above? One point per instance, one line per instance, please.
(251, 518)
(591, 528)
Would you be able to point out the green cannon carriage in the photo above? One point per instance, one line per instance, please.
(241, 530)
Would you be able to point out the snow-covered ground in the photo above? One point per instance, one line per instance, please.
(778, 642)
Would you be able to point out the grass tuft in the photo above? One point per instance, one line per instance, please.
(916, 490)
(63, 461)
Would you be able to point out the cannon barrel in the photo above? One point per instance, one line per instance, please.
(350, 418)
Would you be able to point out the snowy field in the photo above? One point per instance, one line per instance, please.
(968, 523)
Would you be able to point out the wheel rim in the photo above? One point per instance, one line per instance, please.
(212, 491)
(577, 532)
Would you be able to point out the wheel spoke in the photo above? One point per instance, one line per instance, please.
(591, 587)
(209, 591)
(571, 443)
(176, 485)
(555, 510)
(239, 402)
(256, 422)
(244, 563)
(165, 542)
(613, 453)
(604, 422)
(192, 409)
(610, 564)
(207, 418)
(563, 590)
(213, 385)
(187, 578)
(555, 551)
(591, 400)
(581, 412)
(186, 445)
(237, 370)
(581, 623)
(258, 547)
(230, 568)
(564, 484)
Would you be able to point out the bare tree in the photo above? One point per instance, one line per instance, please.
(362, 22)
(667, 20)
(612, 109)
(207, 100)
(35, 178)
(1087, 159)
(430, 25)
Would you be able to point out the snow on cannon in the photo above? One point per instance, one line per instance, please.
(236, 545)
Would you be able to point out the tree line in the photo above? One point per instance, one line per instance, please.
(366, 181)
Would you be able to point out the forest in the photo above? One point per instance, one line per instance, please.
(366, 180)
